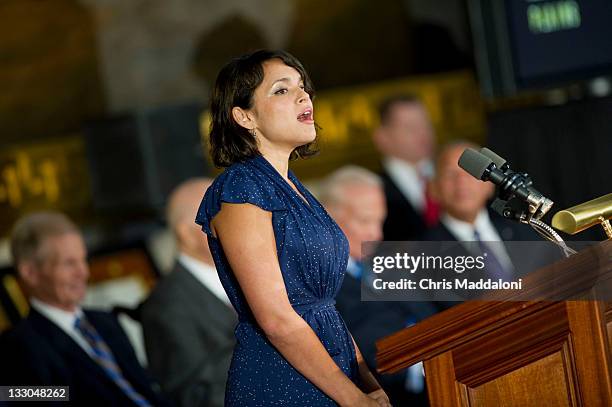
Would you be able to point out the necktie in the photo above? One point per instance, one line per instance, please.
(431, 212)
(493, 266)
(104, 357)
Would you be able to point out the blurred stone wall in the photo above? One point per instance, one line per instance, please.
(64, 62)
(147, 47)
(48, 68)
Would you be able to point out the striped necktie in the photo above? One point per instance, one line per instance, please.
(493, 266)
(105, 359)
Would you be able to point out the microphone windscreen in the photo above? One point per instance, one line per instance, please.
(497, 160)
(474, 162)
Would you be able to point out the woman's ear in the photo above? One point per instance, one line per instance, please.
(243, 118)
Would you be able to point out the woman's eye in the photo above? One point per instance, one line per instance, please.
(281, 91)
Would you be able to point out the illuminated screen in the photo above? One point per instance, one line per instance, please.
(556, 40)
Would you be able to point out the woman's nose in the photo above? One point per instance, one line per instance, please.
(303, 96)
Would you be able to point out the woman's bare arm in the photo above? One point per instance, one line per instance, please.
(247, 237)
(369, 383)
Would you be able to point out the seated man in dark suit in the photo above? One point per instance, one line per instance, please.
(354, 197)
(406, 140)
(59, 343)
(463, 205)
(465, 218)
(187, 320)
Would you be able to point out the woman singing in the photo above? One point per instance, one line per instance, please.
(279, 255)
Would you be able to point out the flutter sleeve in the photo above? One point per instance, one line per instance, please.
(238, 184)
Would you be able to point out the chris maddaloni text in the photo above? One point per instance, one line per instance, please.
(444, 284)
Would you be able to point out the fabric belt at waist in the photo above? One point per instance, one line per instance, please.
(299, 308)
(315, 306)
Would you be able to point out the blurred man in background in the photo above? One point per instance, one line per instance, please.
(463, 204)
(355, 198)
(406, 140)
(59, 343)
(464, 214)
(188, 321)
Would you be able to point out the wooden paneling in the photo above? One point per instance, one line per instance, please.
(511, 346)
(440, 374)
(609, 323)
(517, 353)
(448, 329)
(541, 383)
(589, 336)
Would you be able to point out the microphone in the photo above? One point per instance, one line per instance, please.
(484, 168)
(488, 166)
(504, 166)
(499, 162)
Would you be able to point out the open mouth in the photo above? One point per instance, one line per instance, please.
(306, 116)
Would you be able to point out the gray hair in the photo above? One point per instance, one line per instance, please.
(30, 232)
(331, 191)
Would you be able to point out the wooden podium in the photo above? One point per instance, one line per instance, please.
(518, 353)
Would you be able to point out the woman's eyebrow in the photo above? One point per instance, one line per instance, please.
(286, 80)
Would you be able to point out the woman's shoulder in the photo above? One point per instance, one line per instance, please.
(233, 171)
(243, 182)
(240, 176)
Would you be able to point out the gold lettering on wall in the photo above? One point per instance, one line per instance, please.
(47, 175)
(26, 178)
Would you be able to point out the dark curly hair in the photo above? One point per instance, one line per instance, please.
(235, 87)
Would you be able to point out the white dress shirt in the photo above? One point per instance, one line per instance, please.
(64, 320)
(205, 274)
(409, 179)
(464, 232)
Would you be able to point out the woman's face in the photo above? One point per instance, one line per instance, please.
(282, 111)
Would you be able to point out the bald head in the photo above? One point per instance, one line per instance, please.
(181, 212)
(354, 197)
(184, 201)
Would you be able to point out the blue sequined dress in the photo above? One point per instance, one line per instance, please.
(312, 253)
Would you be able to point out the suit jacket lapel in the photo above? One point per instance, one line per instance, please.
(441, 233)
(127, 362)
(66, 346)
(219, 313)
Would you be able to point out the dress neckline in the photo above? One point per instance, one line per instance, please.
(298, 192)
